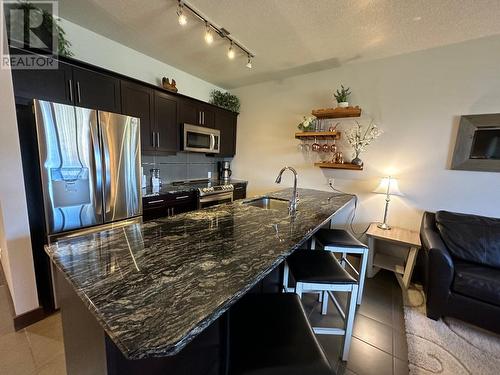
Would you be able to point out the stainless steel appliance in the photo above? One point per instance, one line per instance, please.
(201, 139)
(225, 170)
(90, 163)
(213, 195)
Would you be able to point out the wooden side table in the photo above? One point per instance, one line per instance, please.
(401, 266)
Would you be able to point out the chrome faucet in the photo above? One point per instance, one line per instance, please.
(292, 207)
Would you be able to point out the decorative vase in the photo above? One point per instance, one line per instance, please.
(344, 104)
(357, 160)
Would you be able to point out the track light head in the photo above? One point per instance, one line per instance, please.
(249, 62)
(180, 13)
(209, 38)
(230, 52)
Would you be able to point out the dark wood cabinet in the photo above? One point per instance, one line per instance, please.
(138, 101)
(240, 191)
(225, 121)
(168, 205)
(167, 128)
(55, 85)
(196, 113)
(207, 115)
(96, 90)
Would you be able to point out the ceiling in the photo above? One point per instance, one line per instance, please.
(288, 37)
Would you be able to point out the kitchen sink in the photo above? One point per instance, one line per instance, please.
(268, 203)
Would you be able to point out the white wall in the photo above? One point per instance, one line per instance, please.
(416, 98)
(95, 49)
(15, 242)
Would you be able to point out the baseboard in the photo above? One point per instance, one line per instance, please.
(30, 317)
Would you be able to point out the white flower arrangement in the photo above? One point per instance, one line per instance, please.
(359, 138)
(307, 124)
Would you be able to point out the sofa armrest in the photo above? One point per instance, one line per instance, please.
(439, 267)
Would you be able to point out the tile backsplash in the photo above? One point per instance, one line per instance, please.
(181, 166)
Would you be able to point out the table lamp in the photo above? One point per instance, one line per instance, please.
(388, 186)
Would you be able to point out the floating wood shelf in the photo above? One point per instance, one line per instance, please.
(320, 135)
(338, 112)
(349, 166)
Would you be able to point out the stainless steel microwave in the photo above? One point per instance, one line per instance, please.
(201, 139)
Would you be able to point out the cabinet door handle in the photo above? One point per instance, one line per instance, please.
(173, 213)
(153, 135)
(199, 117)
(182, 197)
(70, 84)
(157, 139)
(156, 201)
(203, 117)
(78, 94)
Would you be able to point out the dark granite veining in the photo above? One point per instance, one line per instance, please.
(173, 188)
(154, 286)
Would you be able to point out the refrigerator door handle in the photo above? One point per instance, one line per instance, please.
(106, 185)
(96, 159)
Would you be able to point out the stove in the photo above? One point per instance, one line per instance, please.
(211, 192)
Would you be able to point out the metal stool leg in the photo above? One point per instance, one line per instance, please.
(350, 322)
(362, 274)
(286, 272)
(324, 306)
(298, 289)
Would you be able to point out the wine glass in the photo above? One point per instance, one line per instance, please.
(315, 146)
(333, 150)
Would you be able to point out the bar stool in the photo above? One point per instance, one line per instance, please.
(270, 334)
(320, 271)
(343, 242)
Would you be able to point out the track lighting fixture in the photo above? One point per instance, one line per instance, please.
(249, 62)
(209, 38)
(180, 13)
(183, 8)
(230, 52)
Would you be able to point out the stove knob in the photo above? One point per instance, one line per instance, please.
(230, 186)
(204, 190)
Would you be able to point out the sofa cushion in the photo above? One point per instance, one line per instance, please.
(470, 237)
(478, 282)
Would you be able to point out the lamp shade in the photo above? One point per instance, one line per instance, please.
(388, 185)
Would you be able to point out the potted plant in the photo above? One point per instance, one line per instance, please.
(225, 100)
(359, 138)
(308, 124)
(342, 96)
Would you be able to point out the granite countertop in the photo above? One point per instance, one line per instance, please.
(173, 188)
(154, 286)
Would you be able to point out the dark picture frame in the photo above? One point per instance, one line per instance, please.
(463, 158)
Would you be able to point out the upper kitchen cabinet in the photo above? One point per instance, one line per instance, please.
(55, 85)
(195, 113)
(138, 101)
(167, 127)
(225, 121)
(96, 90)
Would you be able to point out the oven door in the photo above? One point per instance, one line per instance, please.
(215, 199)
(201, 139)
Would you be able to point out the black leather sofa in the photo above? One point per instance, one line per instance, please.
(462, 267)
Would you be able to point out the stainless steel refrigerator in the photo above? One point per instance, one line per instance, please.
(90, 164)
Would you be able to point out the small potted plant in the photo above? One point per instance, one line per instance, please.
(308, 124)
(342, 96)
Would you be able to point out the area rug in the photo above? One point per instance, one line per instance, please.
(447, 346)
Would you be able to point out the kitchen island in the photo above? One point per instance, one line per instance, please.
(145, 290)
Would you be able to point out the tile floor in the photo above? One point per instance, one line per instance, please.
(378, 346)
(35, 350)
(379, 341)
